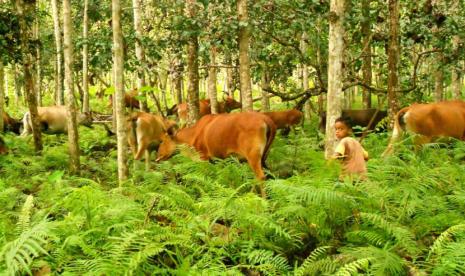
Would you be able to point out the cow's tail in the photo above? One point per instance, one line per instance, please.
(270, 134)
(399, 127)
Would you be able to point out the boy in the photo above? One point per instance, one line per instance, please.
(350, 151)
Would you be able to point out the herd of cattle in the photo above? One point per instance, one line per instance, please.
(246, 134)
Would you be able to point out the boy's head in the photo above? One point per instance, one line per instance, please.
(343, 126)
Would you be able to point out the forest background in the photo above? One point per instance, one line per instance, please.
(86, 212)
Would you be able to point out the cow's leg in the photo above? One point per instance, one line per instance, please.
(254, 159)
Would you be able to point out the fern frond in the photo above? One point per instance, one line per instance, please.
(372, 237)
(307, 265)
(19, 253)
(354, 267)
(24, 218)
(444, 238)
(268, 262)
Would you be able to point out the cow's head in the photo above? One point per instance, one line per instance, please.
(85, 119)
(167, 148)
(230, 104)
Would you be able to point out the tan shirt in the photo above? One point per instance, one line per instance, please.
(353, 157)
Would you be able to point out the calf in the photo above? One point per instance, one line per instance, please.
(145, 130)
(129, 100)
(248, 134)
(11, 124)
(285, 119)
(358, 117)
(54, 120)
(429, 121)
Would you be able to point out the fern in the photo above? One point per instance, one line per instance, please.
(354, 267)
(267, 262)
(311, 265)
(444, 238)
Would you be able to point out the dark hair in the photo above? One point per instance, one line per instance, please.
(345, 120)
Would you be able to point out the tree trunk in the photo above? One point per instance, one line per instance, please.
(38, 73)
(244, 66)
(140, 54)
(85, 59)
(366, 65)
(177, 78)
(212, 93)
(73, 136)
(17, 83)
(439, 78)
(25, 10)
(192, 69)
(456, 75)
(59, 74)
(303, 47)
(229, 75)
(393, 60)
(335, 76)
(2, 93)
(265, 95)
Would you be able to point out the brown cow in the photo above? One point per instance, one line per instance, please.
(11, 124)
(285, 119)
(247, 134)
(146, 130)
(129, 100)
(358, 117)
(53, 120)
(225, 106)
(430, 121)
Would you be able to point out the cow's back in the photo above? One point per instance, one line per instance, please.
(54, 117)
(436, 119)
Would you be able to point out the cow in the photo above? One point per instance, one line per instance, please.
(129, 100)
(285, 119)
(53, 120)
(11, 124)
(429, 122)
(225, 106)
(146, 130)
(248, 134)
(358, 117)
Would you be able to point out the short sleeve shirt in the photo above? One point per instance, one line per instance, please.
(353, 157)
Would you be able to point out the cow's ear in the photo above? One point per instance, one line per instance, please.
(172, 130)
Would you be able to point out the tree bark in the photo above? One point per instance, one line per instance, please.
(229, 75)
(25, 10)
(335, 76)
(393, 60)
(439, 78)
(265, 95)
(58, 74)
(177, 79)
(140, 54)
(38, 73)
(118, 67)
(456, 75)
(303, 47)
(2, 93)
(192, 69)
(85, 59)
(17, 83)
(73, 136)
(212, 93)
(244, 63)
(366, 65)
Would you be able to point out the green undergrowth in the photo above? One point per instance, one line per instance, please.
(187, 217)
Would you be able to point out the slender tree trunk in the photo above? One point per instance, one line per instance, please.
(85, 59)
(439, 78)
(140, 53)
(17, 83)
(244, 63)
(2, 93)
(192, 69)
(456, 75)
(177, 77)
(25, 10)
(6, 91)
(118, 65)
(73, 136)
(229, 75)
(335, 76)
(265, 95)
(393, 60)
(59, 75)
(303, 47)
(212, 93)
(366, 65)
(38, 73)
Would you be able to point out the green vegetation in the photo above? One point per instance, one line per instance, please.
(197, 218)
